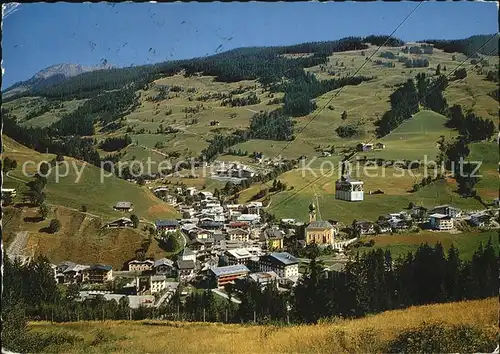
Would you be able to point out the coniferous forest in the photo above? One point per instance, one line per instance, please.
(372, 282)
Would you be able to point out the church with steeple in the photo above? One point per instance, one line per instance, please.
(317, 231)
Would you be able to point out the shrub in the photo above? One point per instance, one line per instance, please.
(442, 338)
(135, 220)
(54, 226)
(347, 131)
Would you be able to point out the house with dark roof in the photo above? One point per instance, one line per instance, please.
(74, 273)
(99, 273)
(165, 266)
(210, 225)
(447, 210)
(320, 232)
(282, 263)
(272, 238)
(364, 227)
(480, 220)
(185, 269)
(163, 227)
(419, 212)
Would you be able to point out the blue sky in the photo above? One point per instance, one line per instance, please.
(38, 35)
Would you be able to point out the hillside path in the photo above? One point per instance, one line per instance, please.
(15, 178)
(18, 245)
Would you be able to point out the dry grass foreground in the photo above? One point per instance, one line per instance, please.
(369, 334)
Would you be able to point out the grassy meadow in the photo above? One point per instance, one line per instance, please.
(86, 188)
(401, 244)
(369, 334)
(81, 239)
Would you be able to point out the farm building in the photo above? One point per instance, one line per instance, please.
(121, 222)
(123, 206)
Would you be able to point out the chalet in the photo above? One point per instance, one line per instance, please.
(220, 276)
(190, 228)
(99, 273)
(163, 227)
(379, 146)
(234, 207)
(218, 238)
(210, 225)
(399, 224)
(164, 266)
(75, 273)
(237, 225)
(419, 212)
(187, 255)
(384, 226)
(206, 195)
(187, 210)
(140, 266)
(320, 232)
(263, 278)
(250, 218)
(159, 190)
(201, 234)
(447, 210)
(254, 208)
(8, 192)
(234, 215)
(441, 221)
(480, 220)
(185, 269)
(238, 256)
(238, 234)
(121, 222)
(157, 283)
(283, 264)
(123, 206)
(198, 244)
(191, 191)
(209, 203)
(170, 199)
(365, 227)
(272, 238)
(364, 147)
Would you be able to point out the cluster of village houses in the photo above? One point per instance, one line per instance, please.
(232, 244)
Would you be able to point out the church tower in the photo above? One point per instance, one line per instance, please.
(312, 212)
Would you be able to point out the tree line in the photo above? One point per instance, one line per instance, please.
(304, 87)
(115, 143)
(372, 282)
(468, 46)
(406, 99)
